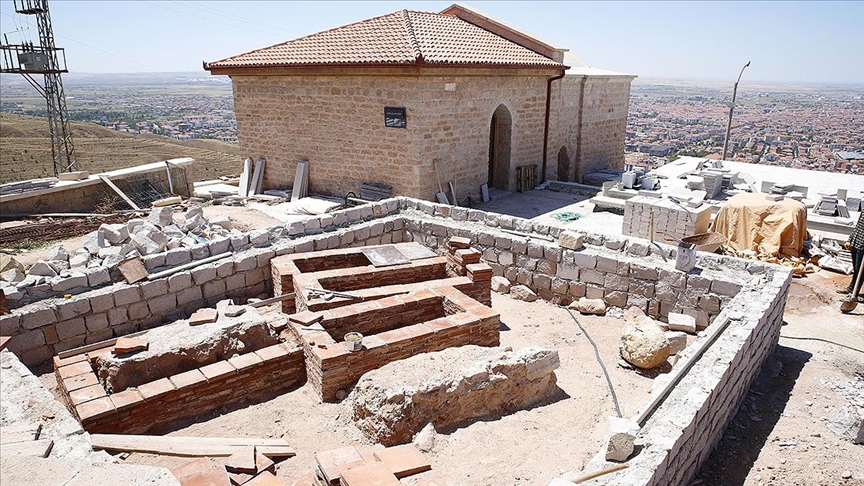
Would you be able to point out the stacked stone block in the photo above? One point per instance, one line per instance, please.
(669, 218)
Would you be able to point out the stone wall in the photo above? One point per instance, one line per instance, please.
(157, 404)
(336, 122)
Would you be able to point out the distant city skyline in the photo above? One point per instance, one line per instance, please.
(787, 42)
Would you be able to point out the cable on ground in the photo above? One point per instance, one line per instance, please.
(599, 360)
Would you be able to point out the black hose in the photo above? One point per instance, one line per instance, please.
(602, 366)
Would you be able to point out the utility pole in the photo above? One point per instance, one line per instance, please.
(45, 59)
(732, 109)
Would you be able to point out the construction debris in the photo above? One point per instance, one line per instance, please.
(378, 465)
(190, 446)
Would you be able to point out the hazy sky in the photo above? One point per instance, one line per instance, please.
(820, 42)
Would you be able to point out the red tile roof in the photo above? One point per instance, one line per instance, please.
(399, 38)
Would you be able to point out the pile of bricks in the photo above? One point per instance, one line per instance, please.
(712, 181)
(394, 328)
(669, 218)
(376, 465)
(459, 255)
(249, 376)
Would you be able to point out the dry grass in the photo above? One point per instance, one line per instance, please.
(25, 150)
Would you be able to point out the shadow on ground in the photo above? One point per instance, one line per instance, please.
(530, 204)
(746, 434)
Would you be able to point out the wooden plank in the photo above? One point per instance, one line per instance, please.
(119, 192)
(190, 446)
(93, 347)
(38, 448)
(245, 177)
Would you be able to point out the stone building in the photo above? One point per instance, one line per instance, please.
(391, 98)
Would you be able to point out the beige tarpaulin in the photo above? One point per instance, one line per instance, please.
(752, 222)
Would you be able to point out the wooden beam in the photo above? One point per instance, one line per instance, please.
(119, 192)
(190, 446)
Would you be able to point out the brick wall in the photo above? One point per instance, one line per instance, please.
(156, 405)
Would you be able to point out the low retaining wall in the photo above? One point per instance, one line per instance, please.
(240, 379)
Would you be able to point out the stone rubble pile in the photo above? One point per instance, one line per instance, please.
(106, 247)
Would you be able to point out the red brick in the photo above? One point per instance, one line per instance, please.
(203, 316)
(439, 324)
(393, 336)
(372, 342)
(191, 468)
(306, 317)
(272, 352)
(264, 463)
(86, 394)
(130, 345)
(242, 461)
(218, 369)
(330, 351)
(212, 476)
(417, 331)
(369, 474)
(80, 381)
(403, 460)
(50, 333)
(187, 379)
(330, 461)
(74, 369)
(462, 319)
(94, 409)
(92, 355)
(126, 398)
(459, 242)
(245, 361)
(156, 388)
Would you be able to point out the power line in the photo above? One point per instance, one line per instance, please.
(209, 19)
(242, 19)
(93, 47)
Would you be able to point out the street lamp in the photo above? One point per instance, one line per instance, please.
(731, 109)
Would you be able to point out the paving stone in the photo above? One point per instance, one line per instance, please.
(126, 345)
(622, 436)
(404, 460)
(203, 316)
(369, 474)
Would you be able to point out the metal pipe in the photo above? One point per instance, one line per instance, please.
(731, 109)
(186, 266)
(546, 122)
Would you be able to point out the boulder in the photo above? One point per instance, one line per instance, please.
(644, 345)
(41, 268)
(59, 254)
(571, 240)
(114, 233)
(589, 306)
(521, 292)
(450, 388)
(500, 285)
(161, 217)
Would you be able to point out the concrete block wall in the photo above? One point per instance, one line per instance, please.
(42, 329)
(623, 272)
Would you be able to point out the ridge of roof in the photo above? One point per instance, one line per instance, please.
(404, 37)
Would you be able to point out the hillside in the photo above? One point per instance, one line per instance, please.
(25, 150)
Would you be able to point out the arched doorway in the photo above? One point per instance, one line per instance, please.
(563, 165)
(500, 130)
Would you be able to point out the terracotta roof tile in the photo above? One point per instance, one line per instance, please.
(400, 38)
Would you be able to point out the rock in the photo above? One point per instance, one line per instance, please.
(43, 269)
(59, 254)
(450, 388)
(79, 259)
(194, 223)
(161, 217)
(172, 231)
(571, 240)
(644, 345)
(132, 224)
(341, 394)
(112, 261)
(12, 275)
(633, 313)
(116, 234)
(126, 345)
(682, 322)
(677, 341)
(221, 221)
(500, 285)
(145, 245)
(425, 439)
(589, 306)
(173, 243)
(8, 263)
(121, 250)
(192, 213)
(188, 242)
(846, 475)
(93, 241)
(521, 292)
(233, 310)
(622, 435)
(59, 265)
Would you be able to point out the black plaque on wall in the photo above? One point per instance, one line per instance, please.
(394, 117)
